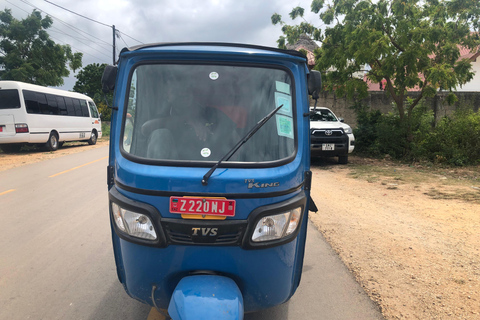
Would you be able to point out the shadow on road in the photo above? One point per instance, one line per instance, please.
(277, 313)
(325, 162)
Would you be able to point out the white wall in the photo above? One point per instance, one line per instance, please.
(474, 84)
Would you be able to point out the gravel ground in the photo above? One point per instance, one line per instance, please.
(418, 257)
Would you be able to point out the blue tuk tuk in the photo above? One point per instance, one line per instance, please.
(209, 175)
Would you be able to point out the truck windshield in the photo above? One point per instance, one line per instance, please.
(199, 112)
(323, 115)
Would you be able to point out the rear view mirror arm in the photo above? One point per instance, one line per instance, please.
(108, 105)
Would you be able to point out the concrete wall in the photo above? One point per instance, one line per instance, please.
(380, 100)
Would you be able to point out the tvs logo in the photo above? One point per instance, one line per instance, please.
(204, 232)
(328, 132)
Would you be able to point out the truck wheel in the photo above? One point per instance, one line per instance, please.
(93, 138)
(343, 159)
(52, 143)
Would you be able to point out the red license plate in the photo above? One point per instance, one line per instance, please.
(202, 206)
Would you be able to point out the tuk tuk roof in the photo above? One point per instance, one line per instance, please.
(214, 44)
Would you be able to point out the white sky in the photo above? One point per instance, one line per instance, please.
(149, 21)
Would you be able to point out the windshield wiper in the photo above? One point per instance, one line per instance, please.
(240, 143)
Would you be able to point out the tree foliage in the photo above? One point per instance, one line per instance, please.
(455, 140)
(89, 82)
(28, 54)
(89, 79)
(405, 43)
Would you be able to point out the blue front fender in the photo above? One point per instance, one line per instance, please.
(206, 297)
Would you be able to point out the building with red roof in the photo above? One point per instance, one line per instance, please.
(465, 53)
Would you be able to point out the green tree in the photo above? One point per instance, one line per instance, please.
(89, 82)
(28, 54)
(407, 43)
(89, 79)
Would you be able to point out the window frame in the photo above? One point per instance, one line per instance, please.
(207, 164)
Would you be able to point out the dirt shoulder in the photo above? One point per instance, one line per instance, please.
(415, 253)
(408, 234)
(35, 154)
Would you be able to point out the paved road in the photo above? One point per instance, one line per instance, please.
(56, 259)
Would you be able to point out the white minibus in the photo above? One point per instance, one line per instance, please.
(40, 115)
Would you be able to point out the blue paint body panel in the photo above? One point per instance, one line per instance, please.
(265, 277)
(206, 297)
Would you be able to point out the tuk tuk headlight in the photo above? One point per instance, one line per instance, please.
(274, 227)
(132, 223)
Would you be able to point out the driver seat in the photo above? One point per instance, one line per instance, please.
(161, 145)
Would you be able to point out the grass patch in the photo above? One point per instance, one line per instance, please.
(459, 281)
(442, 182)
(458, 194)
(386, 174)
(105, 131)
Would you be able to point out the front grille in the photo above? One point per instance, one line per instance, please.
(204, 232)
(178, 236)
(336, 136)
(335, 140)
(320, 133)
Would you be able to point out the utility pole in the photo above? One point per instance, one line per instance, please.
(113, 28)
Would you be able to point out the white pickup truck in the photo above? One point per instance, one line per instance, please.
(329, 136)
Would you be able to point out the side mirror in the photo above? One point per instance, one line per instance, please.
(341, 119)
(314, 83)
(108, 78)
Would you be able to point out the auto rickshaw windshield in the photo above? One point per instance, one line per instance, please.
(199, 112)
